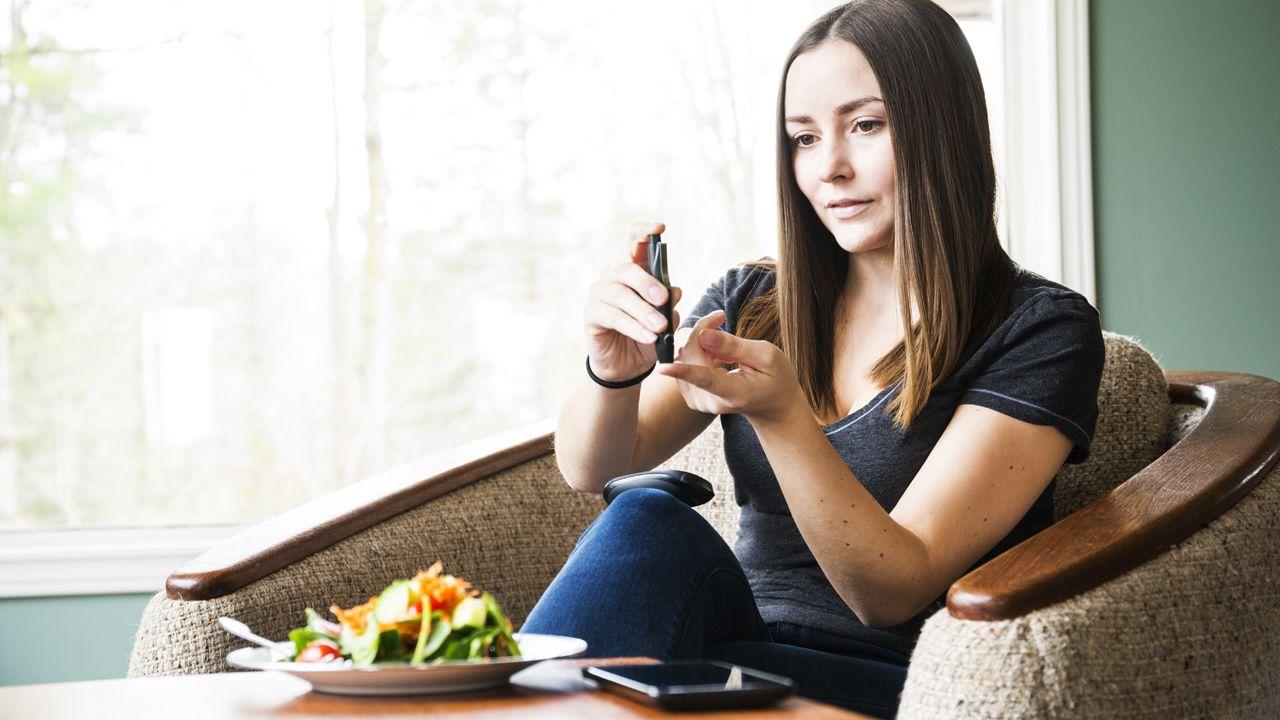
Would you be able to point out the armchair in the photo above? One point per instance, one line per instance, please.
(1155, 594)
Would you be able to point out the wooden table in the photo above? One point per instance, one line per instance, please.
(552, 689)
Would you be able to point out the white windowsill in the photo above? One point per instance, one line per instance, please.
(99, 561)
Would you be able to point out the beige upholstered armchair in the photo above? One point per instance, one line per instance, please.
(1156, 594)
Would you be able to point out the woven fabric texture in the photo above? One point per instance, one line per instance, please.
(1182, 418)
(704, 457)
(1192, 633)
(1132, 430)
(508, 534)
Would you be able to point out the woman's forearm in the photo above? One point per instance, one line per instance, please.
(877, 566)
(596, 434)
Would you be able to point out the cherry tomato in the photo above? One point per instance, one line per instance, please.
(319, 651)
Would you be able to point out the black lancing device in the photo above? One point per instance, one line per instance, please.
(692, 489)
(665, 345)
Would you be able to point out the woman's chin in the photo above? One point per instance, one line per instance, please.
(862, 242)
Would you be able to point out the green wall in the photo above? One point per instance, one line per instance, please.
(67, 638)
(1186, 170)
(1186, 106)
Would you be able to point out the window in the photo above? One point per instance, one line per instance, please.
(251, 253)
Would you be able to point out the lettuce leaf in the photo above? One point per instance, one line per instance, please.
(390, 646)
(303, 637)
(498, 619)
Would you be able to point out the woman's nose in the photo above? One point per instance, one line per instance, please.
(836, 162)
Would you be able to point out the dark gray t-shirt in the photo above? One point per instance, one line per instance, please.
(1042, 364)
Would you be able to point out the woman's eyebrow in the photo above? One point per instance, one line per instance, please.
(844, 109)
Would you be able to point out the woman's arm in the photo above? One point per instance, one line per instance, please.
(984, 473)
(596, 434)
(982, 476)
(603, 433)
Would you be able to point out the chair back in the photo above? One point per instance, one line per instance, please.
(1132, 429)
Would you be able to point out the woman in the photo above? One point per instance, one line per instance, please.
(896, 394)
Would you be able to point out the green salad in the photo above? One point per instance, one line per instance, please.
(430, 618)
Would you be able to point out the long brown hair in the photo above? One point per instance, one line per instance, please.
(947, 254)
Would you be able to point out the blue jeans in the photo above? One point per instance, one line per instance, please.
(650, 576)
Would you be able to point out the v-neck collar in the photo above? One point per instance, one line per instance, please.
(861, 412)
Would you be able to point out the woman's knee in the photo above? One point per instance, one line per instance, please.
(649, 500)
(669, 517)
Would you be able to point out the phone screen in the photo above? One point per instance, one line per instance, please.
(698, 676)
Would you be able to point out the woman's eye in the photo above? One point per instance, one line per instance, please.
(865, 126)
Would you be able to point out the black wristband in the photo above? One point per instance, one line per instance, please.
(616, 385)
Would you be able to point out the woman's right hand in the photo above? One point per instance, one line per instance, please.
(620, 316)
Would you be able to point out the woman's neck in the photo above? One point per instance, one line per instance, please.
(869, 286)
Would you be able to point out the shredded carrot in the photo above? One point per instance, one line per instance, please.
(443, 592)
(437, 591)
(355, 618)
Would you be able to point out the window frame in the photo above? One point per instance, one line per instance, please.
(1048, 146)
(1048, 161)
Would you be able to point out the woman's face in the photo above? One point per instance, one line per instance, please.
(841, 149)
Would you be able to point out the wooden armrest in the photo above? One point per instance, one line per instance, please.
(1235, 444)
(271, 545)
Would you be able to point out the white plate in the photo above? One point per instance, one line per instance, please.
(403, 679)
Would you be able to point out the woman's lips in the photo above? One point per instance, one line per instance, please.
(846, 212)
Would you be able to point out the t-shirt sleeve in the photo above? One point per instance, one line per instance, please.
(1048, 369)
(713, 299)
(728, 293)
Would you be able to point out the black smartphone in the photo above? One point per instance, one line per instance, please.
(693, 684)
(665, 345)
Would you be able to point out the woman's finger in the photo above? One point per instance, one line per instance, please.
(706, 386)
(638, 240)
(693, 351)
(730, 348)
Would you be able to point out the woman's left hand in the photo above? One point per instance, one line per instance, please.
(763, 387)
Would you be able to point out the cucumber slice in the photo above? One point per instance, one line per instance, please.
(363, 647)
(393, 603)
(469, 613)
